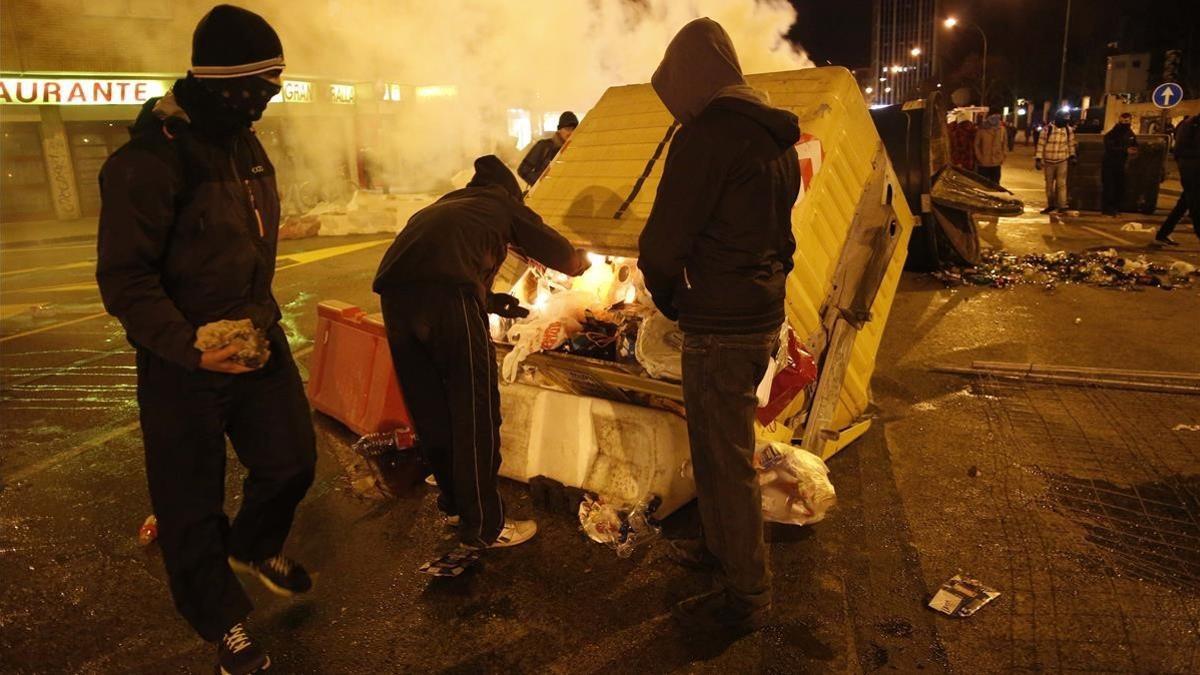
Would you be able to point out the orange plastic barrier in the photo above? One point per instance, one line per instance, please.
(351, 378)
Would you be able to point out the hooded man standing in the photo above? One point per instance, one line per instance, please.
(434, 285)
(538, 159)
(188, 229)
(716, 252)
(1120, 143)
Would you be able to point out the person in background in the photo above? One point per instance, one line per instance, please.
(189, 223)
(434, 283)
(1055, 152)
(716, 252)
(989, 147)
(538, 159)
(1011, 131)
(1037, 134)
(1187, 158)
(1120, 143)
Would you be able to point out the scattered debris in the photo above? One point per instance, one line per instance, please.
(253, 347)
(621, 529)
(962, 596)
(46, 310)
(974, 472)
(451, 564)
(1078, 320)
(1186, 427)
(1106, 268)
(795, 484)
(148, 532)
(1136, 227)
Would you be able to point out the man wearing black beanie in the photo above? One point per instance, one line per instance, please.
(538, 159)
(435, 287)
(188, 231)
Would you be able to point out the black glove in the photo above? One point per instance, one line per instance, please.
(505, 305)
(1073, 160)
(1037, 164)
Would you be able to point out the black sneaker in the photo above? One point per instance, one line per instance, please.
(717, 611)
(691, 554)
(280, 574)
(1047, 211)
(238, 655)
(1165, 241)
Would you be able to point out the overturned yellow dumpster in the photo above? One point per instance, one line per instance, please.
(611, 427)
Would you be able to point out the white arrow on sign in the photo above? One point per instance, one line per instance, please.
(1167, 95)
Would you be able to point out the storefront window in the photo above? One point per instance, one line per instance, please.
(24, 189)
(91, 144)
(520, 127)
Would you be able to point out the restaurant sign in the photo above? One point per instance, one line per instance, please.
(62, 91)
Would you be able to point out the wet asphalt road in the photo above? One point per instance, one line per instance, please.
(1060, 498)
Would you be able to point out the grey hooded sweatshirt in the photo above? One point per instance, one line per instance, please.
(718, 243)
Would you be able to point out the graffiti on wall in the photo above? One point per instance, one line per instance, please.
(62, 178)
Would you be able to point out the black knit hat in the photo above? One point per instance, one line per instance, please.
(489, 170)
(568, 119)
(234, 42)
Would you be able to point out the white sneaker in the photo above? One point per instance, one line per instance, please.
(515, 532)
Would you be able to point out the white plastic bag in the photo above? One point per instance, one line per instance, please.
(659, 348)
(795, 484)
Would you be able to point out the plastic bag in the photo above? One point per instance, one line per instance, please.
(531, 337)
(621, 529)
(795, 484)
(659, 347)
(791, 371)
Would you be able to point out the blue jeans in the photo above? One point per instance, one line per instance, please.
(720, 376)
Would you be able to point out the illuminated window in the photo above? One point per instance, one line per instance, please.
(436, 91)
(550, 122)
(520, 127)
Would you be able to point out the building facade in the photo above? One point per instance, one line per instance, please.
(904, 50)
(75, 73)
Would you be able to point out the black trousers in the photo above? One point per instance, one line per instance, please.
(720, 376)
(446, 365)
(992, 173)
(185, 417)
(1112, 182)
(1189, 176)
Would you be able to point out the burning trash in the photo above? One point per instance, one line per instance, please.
(1106, 269)
(599, 315)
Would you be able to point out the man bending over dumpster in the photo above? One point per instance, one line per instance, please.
(716, 252)
(189, 222)
(434, 284)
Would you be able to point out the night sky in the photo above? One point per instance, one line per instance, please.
(1025, 39)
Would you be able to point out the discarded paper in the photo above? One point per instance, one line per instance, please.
(962, 596)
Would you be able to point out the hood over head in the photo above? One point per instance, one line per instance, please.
(699, 65)
(489, 170)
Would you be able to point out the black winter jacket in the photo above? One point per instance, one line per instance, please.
(188, 230)
(1117, 142)
(718, 244)
(538, 159)
(463, 238)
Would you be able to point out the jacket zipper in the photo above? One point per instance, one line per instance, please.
(262, 233)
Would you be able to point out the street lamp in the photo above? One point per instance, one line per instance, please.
(950, 23)
(870, 90)
(915, 51)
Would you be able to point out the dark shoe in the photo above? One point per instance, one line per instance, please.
(718, 611)
(280, 574)
(238, 655)
(1165, 241)
(1047, 211)
(691, 554)
(1062, 212)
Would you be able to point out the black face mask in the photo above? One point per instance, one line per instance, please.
(244, 98)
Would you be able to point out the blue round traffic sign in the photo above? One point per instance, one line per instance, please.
(1167, 95)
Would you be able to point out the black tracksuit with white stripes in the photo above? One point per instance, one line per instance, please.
(433, 284)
